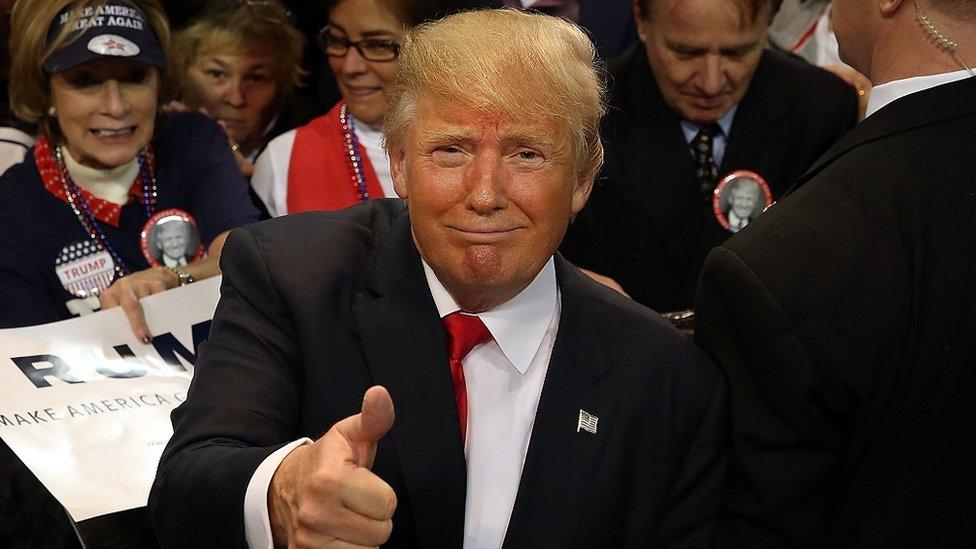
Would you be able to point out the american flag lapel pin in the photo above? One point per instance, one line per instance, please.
(587, 422)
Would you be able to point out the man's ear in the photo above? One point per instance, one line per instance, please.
(581, 193)
(398, 169)
(639, 18)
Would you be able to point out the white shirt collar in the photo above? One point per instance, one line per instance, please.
(883, 94)
(519, 325)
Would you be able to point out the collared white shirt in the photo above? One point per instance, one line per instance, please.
(883, 94)
(504, 379)
(372, 141)
(720, 142)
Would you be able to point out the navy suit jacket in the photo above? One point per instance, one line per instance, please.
(315, 308)
(843, 318)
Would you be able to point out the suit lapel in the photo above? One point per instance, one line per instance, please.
(561, 462)
(919, 109)
(403, 342)
(758, 136)
(656, 163)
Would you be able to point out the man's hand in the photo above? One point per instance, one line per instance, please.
(324, 495)
(128, 290)
(858, 81)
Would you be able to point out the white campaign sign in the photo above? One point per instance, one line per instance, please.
(86, 406)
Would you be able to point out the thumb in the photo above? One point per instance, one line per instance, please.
(366, 428)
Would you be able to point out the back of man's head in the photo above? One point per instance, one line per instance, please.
(898, 39)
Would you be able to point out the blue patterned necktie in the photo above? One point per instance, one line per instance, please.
(706, 170)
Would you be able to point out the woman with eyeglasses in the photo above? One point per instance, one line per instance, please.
(240, 63)
(84, 219)
(338, 160)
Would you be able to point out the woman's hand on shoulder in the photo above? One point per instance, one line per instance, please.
(128, 290)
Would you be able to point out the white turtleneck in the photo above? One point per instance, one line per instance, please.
(112, 184)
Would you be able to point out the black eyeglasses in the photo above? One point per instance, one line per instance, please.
(370, 49)
(269, 10)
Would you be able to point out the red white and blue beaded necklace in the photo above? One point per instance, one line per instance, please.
(82, 210)
(352, 153)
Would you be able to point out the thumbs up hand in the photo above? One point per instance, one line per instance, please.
(324, 494)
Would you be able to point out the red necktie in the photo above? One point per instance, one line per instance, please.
(464, 332)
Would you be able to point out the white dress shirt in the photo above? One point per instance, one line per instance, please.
(270, 177)
(504, 379)
(882, 94)
(720, 142)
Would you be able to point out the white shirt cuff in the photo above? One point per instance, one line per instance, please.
(257, 523)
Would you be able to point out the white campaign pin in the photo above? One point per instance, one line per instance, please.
(84, 268)
(112, 44)
(587, 422)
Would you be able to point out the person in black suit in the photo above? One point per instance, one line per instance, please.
(697, 99)
(843, 316)
(573, 415)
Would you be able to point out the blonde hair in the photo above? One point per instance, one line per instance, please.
(232, 27)
(30, 84)
(523, 65)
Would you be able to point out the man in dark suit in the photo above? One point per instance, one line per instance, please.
(532, 404)
(843, 316)
(697, 99)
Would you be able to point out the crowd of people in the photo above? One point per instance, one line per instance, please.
(488, 218)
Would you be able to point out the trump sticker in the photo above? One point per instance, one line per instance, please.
(170, 239)
(84, 268)
(739, 198)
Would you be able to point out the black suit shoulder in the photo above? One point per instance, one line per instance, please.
(646, 346)
(324, 246)
(802, 80)
(842, 318)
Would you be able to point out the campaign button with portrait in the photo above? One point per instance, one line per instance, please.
(739, 198)
(170, 239)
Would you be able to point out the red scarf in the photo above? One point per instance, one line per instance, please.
(103, 210)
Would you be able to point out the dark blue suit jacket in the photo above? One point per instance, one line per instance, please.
(315, 308)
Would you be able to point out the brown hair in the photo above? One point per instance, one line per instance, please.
(30, 84)
(234, 27)
(546, 71)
